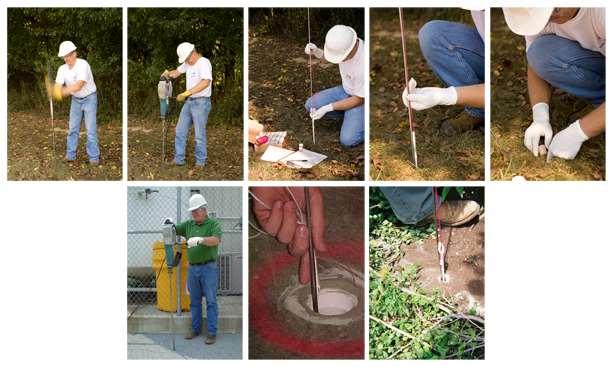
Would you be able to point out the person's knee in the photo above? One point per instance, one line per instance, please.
(350, 139)
(540, 56)
(308, 104)
(430, 35)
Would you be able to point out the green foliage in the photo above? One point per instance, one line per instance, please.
(154, 34)
(292, 23)
(400, 302)
(445, 191)
(33, 42)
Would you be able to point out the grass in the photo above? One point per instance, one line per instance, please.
(31, 155)
(224, 148)
(278, 88)
(511, 115)
(440, 157)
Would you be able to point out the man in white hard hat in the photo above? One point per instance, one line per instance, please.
(342, 47)
(203, 235)
(455, 53)
(74, 78)
(197, 102)
(566, 49)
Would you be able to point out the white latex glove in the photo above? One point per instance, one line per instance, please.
(312, 49)
(538, 128)
(319, 113)
(196, 240)
(424, 98)
(567, 143)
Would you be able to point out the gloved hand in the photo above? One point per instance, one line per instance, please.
(57, 92)
(319, 113)
(567, 143)
(424, 98)
(165, 75)
(167, 221)
(312, 49)
(538, 128)
(184, 95)
(196, 240)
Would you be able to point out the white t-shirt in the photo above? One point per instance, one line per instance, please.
(478, 16)
(80, 71)
(588, 28)
(201, 70)
(353, 71)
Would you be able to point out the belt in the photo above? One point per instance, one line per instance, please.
(203, 263)
(194, 98)
(87, 96)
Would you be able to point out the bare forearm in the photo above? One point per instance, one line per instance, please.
(594, 123)
(348, 103)
(210, 241)
(539, 89)
(203, 84)
(68, 90)
(471, 95)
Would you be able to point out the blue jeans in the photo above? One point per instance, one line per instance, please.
(564, 64)
(83, 109)
(352, 130)
(203, 281)
(410, 204)
(455, 53)
(195, 111)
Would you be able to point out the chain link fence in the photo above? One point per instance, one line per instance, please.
(147, 208)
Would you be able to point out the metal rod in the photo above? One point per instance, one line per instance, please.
(406, 81)
(314, 277)
(171, 315)
(441, 248)
(312, 121)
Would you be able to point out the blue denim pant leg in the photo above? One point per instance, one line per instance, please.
(410, 204)
(210, 286)
(194, 111)
(83, 109)
(568, 66)
(455, 53)
(196, 291)
(352, 130)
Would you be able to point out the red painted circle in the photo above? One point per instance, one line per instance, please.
(275, 333)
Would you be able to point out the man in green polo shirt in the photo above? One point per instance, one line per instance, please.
(203, 236)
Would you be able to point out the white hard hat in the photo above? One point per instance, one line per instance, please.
(527, 21)
(65, 48)
(339, 42)
(184, 50)
(196, 201)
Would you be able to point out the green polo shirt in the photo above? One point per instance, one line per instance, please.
(200, 253)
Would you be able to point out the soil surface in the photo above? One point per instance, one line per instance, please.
(31, 155)
(344, 226)
(224, 149)
(465, 264)
(278, 88)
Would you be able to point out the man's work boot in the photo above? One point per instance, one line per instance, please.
(461, 123)
(211, 339)
(456, 213)
(192, 335)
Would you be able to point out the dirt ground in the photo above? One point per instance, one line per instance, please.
(511, 115)
(31, 156)
(224, 148)
(278, 88)
(465, 260)
(440, 157)
(342, 225)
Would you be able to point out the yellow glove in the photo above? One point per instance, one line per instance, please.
(57, 92)
(184, 95)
